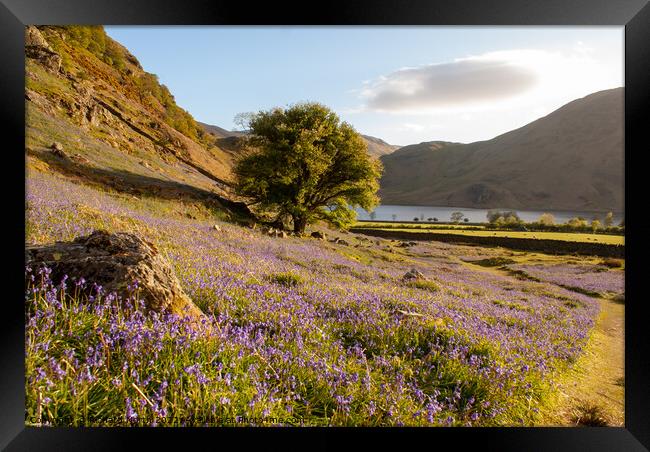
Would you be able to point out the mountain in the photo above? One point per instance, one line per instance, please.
(220, 132)
(378, 147)
(571, 159)
(228, 140)
(115, 124)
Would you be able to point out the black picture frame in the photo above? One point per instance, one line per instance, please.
(634, 15)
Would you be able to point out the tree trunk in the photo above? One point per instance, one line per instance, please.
(299, 224)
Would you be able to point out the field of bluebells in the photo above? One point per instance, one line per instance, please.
(299, 331)
(595, 279)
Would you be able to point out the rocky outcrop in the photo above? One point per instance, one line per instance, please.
(272, 232)
(115, 262)
(39, 101)
(413, 275)
(37, 47)
(57, 149)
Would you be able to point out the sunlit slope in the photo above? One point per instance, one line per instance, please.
(571, 159)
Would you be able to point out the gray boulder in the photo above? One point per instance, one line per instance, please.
(413, 275)
(115, 261)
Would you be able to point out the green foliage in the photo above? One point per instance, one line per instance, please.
(339, 215)
(306, 164)
(546, 219)
(494, 262)
(609, 219)
(507, 217)
(94, 39)
(286, 279)
(577, 222)
(595, 225)
(424, 284)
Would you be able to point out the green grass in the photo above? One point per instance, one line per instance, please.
(424, 285)
(45, 82)
(286, 279)
(423, 225)
(565, 236)
(493, 262)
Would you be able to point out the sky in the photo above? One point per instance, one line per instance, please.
(404, 85)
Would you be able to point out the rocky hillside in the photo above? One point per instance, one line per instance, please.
(113, 123)
(571, 159)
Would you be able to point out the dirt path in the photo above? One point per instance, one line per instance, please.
(592, 392)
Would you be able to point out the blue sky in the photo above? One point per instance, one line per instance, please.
(402, 84)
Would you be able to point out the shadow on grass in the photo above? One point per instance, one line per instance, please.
(138, 184)
(588, 414)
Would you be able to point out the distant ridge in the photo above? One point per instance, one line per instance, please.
(571, 159)
(378, 147)
(227, 140)
(220, 132)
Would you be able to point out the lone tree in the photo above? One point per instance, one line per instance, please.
(546, 219)
(304, 163)
(456, 217)
(595, 225)
(609, 219)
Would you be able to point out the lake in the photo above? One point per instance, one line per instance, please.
(443, 214)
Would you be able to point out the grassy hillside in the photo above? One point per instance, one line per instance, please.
(118, 126)
(378, 147)
(571, 159)
(301, 330)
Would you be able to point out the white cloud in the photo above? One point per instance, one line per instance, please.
(491, 81)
